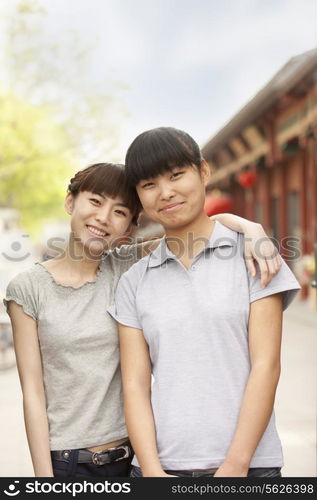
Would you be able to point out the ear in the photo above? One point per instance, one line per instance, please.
(205, 172)
(69, 203)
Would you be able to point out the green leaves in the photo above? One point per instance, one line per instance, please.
(52, 115)
(34, 163)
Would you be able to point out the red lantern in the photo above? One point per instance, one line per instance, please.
(247, 178)
(218, 204)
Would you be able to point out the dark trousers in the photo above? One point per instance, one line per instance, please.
(121, 468)
(253, 472)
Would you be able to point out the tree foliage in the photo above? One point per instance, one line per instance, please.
(49, 65)
(34, 163)
(52, 119)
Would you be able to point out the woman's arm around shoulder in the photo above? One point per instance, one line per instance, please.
(257, 247)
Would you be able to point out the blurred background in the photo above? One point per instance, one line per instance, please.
(80, 79)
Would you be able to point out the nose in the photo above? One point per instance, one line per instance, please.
(166, 190)
(103, 214)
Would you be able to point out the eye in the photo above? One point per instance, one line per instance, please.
(121, 212)
(95, 201)
(175, 175)
(147, 185)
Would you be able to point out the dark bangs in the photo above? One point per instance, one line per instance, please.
(107, 179)
(159, 150)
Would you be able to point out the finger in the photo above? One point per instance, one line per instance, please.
(250, 264)
(271, 270)
(264, 273)
(273, 250)
(274, 263)
(279, 261)
(277, 264)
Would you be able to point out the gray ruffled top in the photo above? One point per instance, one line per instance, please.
(80, 350)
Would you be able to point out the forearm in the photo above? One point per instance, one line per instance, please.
(141, 430)
(255, 413)
(234, 222)
(36, 425)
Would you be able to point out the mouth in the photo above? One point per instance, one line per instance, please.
(95, 231)
(172, 208)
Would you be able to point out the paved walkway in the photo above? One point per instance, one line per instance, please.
(296, 399)
(295, 403)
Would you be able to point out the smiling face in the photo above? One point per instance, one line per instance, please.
(175, 198)
(97, 220)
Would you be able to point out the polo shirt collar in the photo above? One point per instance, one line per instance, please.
(221, 236)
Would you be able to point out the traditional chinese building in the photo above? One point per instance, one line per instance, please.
(265, 158)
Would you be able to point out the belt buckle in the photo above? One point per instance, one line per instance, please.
(95, 456)
(126, 449)
(94, 459)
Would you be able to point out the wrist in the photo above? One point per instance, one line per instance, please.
(238, 461)
(153, 472)
(152, 469)
(44, 473)
(249, 226)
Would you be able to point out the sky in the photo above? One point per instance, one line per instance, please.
(191, 64)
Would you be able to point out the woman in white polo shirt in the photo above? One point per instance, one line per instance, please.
(190, 315)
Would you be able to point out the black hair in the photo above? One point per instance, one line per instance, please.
(159, 150)
(109, 179)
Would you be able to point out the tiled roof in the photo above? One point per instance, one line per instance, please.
(283, 81)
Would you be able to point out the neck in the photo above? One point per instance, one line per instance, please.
(187, 241)
(78, 261)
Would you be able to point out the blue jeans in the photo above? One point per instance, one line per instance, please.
(253, 472)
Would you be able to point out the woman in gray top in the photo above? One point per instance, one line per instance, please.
(66, 343)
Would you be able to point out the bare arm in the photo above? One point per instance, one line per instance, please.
(31, 378)
(234, 222)
(265, 329)
(136, 376)
(258, 246)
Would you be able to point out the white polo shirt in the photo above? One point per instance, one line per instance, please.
(195, 322)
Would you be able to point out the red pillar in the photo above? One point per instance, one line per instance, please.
(265, 179)
(283, 224)
(249, 203)
(303, 204)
